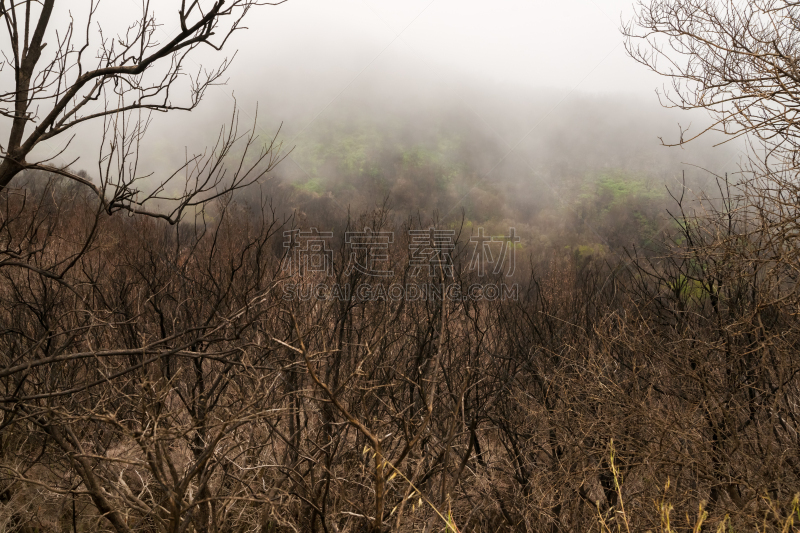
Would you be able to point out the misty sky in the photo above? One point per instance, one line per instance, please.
(302, 60)
(305, 60)
(572, 45)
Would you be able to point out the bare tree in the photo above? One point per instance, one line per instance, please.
(736, 60)
(117, 80)
(727, 283)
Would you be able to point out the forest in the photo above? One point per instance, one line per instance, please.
(393, 325)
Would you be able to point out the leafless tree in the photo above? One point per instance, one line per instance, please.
(737, 60)
(88, 75)
(157, 374)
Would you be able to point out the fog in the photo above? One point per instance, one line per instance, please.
(547, 44)
(478, 292)
(533, 97)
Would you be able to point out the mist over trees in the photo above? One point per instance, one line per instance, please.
(487, 308)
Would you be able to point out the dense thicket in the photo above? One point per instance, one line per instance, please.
(165, 378)
(192, 357)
